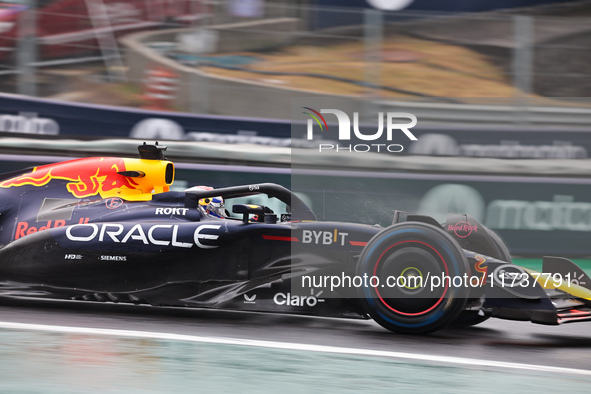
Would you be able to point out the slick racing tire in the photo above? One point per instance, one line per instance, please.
(405, 258)
(472, 318)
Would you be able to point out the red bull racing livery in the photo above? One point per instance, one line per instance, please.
(111, 230)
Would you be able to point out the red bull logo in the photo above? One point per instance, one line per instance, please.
(88, 177)
(24, 228)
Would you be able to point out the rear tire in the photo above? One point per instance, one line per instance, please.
(413, 250)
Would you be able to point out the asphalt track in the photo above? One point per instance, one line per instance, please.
(566, 346)
(499, 347)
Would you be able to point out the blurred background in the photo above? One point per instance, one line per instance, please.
(500, 90)
(247, 58)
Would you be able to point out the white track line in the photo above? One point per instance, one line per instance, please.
(471, 362)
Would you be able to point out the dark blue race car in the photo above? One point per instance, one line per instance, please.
(110, 230)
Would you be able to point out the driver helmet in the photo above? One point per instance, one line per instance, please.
(211, 205)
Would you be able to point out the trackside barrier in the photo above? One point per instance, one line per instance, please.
(22, 116)
(491, 115)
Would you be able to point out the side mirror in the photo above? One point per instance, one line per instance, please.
(251, 209)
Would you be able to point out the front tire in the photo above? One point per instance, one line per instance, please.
(416, 255)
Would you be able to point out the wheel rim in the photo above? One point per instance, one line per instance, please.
(402, 258)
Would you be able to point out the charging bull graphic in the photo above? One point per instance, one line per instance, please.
(87, 177)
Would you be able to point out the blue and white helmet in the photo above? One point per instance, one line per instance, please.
(213, 206)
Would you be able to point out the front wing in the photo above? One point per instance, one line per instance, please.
(560, 294)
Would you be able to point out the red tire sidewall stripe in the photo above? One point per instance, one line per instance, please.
(438, 301)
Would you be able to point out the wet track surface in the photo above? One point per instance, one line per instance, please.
(567, 346)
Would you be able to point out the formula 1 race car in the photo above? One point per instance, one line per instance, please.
(110, 230)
